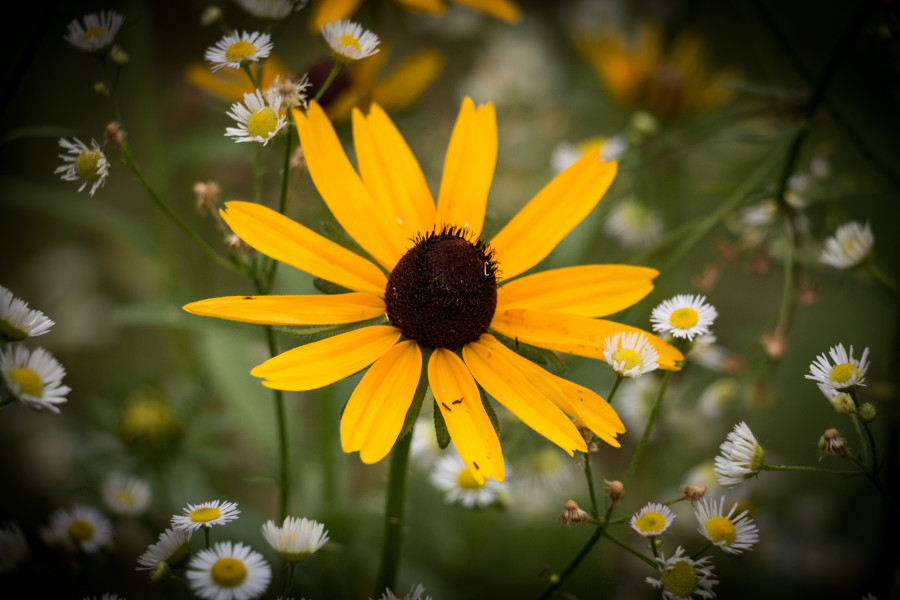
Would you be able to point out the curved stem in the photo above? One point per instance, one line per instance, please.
(882, 278)
(625, 546)
(873, 477)
(651, 419)
(331, 76)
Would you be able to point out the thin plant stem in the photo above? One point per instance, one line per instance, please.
(251, 76)
(882, 278)
(393, 516)
(284, 471)
(787, 292)
(625, 546)
(206, 536)
(289, 579)
(873, 477)
(282, 202)
(701, 550)
(595, 509)
(651, 419)
(863, 442)
(768, 467)
(331, 76)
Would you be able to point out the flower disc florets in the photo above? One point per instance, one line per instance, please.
(443, 292)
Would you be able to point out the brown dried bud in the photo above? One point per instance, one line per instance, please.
(114, 135)
(727, 251)
(807, 293)
(693, 492)
(572, 514)
(615, 490)
(705, 281)
(775, 344)
(207, 197)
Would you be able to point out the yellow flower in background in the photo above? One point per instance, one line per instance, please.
(442, 290)
(640, 75)
(232, 84)
(326, 11)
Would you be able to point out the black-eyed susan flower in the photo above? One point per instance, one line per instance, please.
(206, 514)
(652, 520)
(239, 49)
(349, 41)
(229, 571)
(440, 293)
(850, 246)
(325, 11)
(845, 374)
(296, 539)
(33, 377)
(76, 528)
(17, 321)
(742, 457)
(682, 578)
(731, 533)
(97, 32)
(82, 163)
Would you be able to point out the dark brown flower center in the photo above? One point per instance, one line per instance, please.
(443, 292)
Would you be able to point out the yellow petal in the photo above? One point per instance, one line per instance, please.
(573, 334)
(552, 214)
(291, 310)
(342, 189)
(287, 241)
(374, 415)
(493, 366)
(587, 290)
(409, 80)
(431, 7)
(506, 10)
(468, 168)
(320, 363)
(459, 401)
(326, 11)
(232, 84)
(392, 175)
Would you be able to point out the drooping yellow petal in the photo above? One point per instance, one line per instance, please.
(431, 7)
(343, 190)
(392, 175)
(587, 290)
(374, 415)
(459, 401)
(573, 334)
(326, 11)
(552, 214)
(291, 310)
(317, 364)
(287, 241)
(491, 365)
(468, 168)
(409, 80)
(506, 10)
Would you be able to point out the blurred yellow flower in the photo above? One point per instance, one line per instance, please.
(326, 11)
(232, 84)
(640, 75)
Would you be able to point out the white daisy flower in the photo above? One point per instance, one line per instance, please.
(17, 321)
(13, 548)
(630, 354)
(682, 578)
(80, 163)
(258, 121)
(173, 548)
(684, 316)
(271, 9)
(349, 41)
(542, 477)
(296, 539)
(78, 528)
(849, 247)
(33, 376)
(732, 534)
(453, 477)
(705, 352)
(845, 374)
(229, 572)
(424, 448)
(566, 153)
(126, 494)
(633, 224)
(98, 31)
(742, 456)
(107, 596)
(206, 514)
(238, 49)
(652, 520)
(415, 593)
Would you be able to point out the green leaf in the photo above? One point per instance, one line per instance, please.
(540, 356)
(440, 428)
(326, 287)
(314, 333)
(413, 413)
(492, 416)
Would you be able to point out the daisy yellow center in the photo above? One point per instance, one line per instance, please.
(850, 246)
(544, 462)
(684, 318)
(843, 373)
(721, 529)
(443, 292)
(628, 357)
(124, 497)
(28, 381)
(239, 51)
(652, 522)
(205, 514)
(149, 419)
(81, 530)
(680, 580)
(93, 32)
(349, 40)
(262, 123)
(466, 480)
(88, 165)
(228, 572)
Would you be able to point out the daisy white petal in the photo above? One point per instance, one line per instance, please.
(296, 540)
(13, 548)
(173, 547)
(633, 224)
(684, 316)
(258, 121)
(33, 376)
(742, 456)
(17, 321)
(349, 41)
(206, 514)
(453, 477)
(849, 247)
(630, 354)
(682, 578)
(78, 528)
(126, 494)
(229, 572)
(652, 520)
(97, 32)
(733, 534)
(843, 372)
(238, 49)
(80, 163)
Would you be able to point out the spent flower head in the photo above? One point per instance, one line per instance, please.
(682, 578)
(846, 372)
(652, 520)
(206, 514)
(684, 316)
(349, 41)
(97, 32)
(731, 533)
(84, 164)
(296, 540)
(849, 247)
(292, 92)
(239, 49)
(572, 513)
(33, 376)
(630, 354)
(742, 456)
(258, 119)
(228, 571)
(17, 321)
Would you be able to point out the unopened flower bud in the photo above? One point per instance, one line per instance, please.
(644, 123)
(114, 135)
(693, 492)
(118, 56)
(867, 412)
(572, 514)
(832, 443)
(615, 490)
(101, 88)
(843, 403)
(160, 572)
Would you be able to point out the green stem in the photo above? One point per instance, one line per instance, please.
(206, 536)
(282, 201)
(882, 278)
(625, 546)
(873, 477)
(651, 419)
(768, 467)
(393, 516)
(289, 580)
(595, 537)
(595, 507)
(284, 471)
(863, 442)
(252, 77)
(701, 550)
(331, 76)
